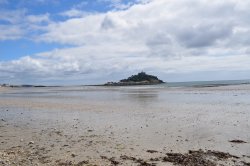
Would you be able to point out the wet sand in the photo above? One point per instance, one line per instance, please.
(125, 126)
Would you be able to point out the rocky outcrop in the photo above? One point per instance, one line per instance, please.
(140, 79)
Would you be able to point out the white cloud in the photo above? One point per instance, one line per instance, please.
(12, 16)
(38, 18)
(162, 36)
(19, 24)
(75, 13)
(10, 32)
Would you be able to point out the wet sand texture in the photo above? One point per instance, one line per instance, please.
(125, 126)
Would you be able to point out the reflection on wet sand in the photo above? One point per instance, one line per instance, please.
(143, 97)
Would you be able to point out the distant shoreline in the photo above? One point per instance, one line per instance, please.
(195, 84)
(130, 84)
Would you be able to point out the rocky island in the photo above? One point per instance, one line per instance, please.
(140, 79)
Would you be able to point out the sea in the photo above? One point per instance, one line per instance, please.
(161, 97)
(149, 93)
(206, 83)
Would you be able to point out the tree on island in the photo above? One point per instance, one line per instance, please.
(141, 77)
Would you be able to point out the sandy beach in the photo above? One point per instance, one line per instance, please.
(125, 126)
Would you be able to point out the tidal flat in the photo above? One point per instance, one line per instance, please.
(137, 125)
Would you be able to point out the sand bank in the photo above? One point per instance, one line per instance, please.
(125, 126)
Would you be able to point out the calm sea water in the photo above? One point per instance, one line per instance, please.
(161, 96)
(114, 92)
(206, 83)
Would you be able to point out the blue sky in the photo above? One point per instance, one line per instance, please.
(94, 41)
(13, 49)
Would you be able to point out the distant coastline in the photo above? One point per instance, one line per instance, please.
(25, 86)
(195, 84)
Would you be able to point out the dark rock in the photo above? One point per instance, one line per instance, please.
(81, 163)
(245, 163)
(113, 161)
(141, 162)
(31, 142)
(238, 141)
(152, 151)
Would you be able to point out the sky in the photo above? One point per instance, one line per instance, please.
(75, 42)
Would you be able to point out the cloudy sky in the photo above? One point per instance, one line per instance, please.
(94, 41)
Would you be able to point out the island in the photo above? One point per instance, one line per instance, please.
(139, 79)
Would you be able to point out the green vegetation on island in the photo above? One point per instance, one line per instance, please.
(139, 79)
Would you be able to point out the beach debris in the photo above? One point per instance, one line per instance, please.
(112, 160)
(220, 155)
(245, 163)
(141, 162)
(237, 141)
(155, 159)
(44, 159)
(246, 156)
(198, 158)
(104, 157)
(58, 132)
(31, 142)
(152, 151)
(23, 157)
(64, 163)
(81, 163)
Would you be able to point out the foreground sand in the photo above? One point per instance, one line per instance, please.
(125, 126)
